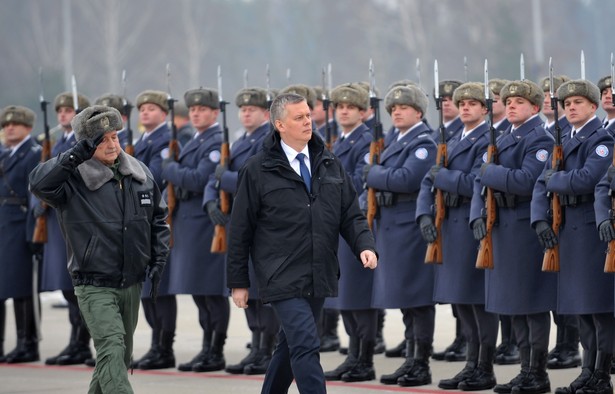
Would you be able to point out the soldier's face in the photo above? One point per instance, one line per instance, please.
(546, 105)
(151, 115)
(578, 110)
(449, 111)
(405, 116)
(65, 115)
(296, 126)
(109, 149)
(14, 133)
(472, 112)
(251, 117)
(606, 100)
(497, 107)
(519, 109)
(348, 116)
(318, 113)
(202, 117)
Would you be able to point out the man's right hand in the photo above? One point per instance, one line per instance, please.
(215, 214)
(479, 228)
(606, 231)
(240, 297)
(546, 235)
(83, 150)
(428, 228)
(39, 210)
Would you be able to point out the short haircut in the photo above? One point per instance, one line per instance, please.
(278, 106)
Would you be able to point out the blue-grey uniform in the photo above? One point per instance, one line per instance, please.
(195, 270)
(322, 130)
(122, 135)
(611, 128)
(54, 272)
(453, 129)
(457, 281)
(502, 126)
(516, 285)
(583, 288)
(15, 256)
(402, 280)
(564, 126)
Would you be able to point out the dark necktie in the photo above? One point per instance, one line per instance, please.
(305, 173)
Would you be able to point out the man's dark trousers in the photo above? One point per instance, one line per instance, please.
(297, 354)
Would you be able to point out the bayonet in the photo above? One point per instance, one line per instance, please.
(551, 93)
(127, 108)
(372, 80)
(418, 72)
(436, 81)
(288, 76)
(582, 65)
(169, 80)
(465, 68)
(245, 78)
(612, 81)
(522, 67)
(324, 86)
(220, 83)
(267, 75)
(75, 97)
(329, 81)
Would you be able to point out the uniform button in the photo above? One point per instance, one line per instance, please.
(308, 205)
(125, 228)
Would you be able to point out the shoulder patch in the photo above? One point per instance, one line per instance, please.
(366, 158)
(214, 156)
(485, 157)
(602, 150)
(164, 153)
(421, 153)
(542, 155)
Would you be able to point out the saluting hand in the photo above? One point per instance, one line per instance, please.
(369, 259)
(240, 297)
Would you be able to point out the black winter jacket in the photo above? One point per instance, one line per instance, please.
(292, 236)
(113, 230)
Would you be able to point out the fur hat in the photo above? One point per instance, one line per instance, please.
(112, 100)
(181, 110)
(401, 82)
(202, 96)
(471, 90)
(447, 87)
(66, 100)
(407, 95)
(496, 85)
(603, 83)
(350, 93)
(319, 92)
(526, 89)
(304, 91)
(558, 80)
(96, 120)
(157, 97)
(579, 87)
(366, 86)
(253, 96)
(17, 114)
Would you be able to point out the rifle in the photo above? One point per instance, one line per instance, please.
(326, 89)
(550, 261)
(130, 149)
(40, 228)
(269, 97)
(376, 146)
(218, 243)
(484, 259)
(465, 68)
(173, 152)
(609, 264)
(521, 67)
(245, 78)
(434, 249)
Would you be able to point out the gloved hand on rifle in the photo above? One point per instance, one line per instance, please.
(548, 174)
(606, 231)
(39, 210)
(479, 229)
(154, 275)
(220, 170)
(483, 168)
(215, 214)
(428, 228)
(546, 235)
(83, 150)
(366, 169)
(433, 172)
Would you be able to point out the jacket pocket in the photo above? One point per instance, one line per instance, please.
(89, 250)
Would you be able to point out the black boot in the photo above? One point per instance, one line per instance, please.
(524, 356)
(483, 377)
(250, 358)
(537, 380)
(329, 340)
(27, 346)
(215, 361)
(587, 370)
(363, 370)
(2, 325)
(165, 357)
(456, 351)
(507, 352)
(263, 357)
(419, 374)
(466, 372)
(201, 356)
(80, 350)
(600, 382)
(568, 355)
(404, 368)
(351, 359)
(380, 346)
(153, 351)
(398, 351)
(67, 350)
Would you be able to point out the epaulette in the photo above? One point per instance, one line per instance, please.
(36, 148)
(423, 135)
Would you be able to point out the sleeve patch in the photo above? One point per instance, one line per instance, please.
(602, 151)
(421, 153)
(485, 157)
(542, 155)
(214, 156)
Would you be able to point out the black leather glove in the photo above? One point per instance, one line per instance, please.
(428, 228)
(39, 210)
(610, 173)
(483, 168)
(366, 169)
(220, 170)
(154, 275)
(167, 161)
(546, 235)
(479, 228)
(606, 231)
(215, 214)
(433, 172)
(83, 150)
(548, 174)
(36, 248)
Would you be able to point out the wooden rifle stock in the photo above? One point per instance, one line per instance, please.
(434, 249)
(550, 261)
(484, 259)
(372, 205)
(130, 149)
(40, 228)
(171, 198)
(218, 243)
(609, 263)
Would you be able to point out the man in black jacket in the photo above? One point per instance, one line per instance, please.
(293, 199)
(113, 219)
